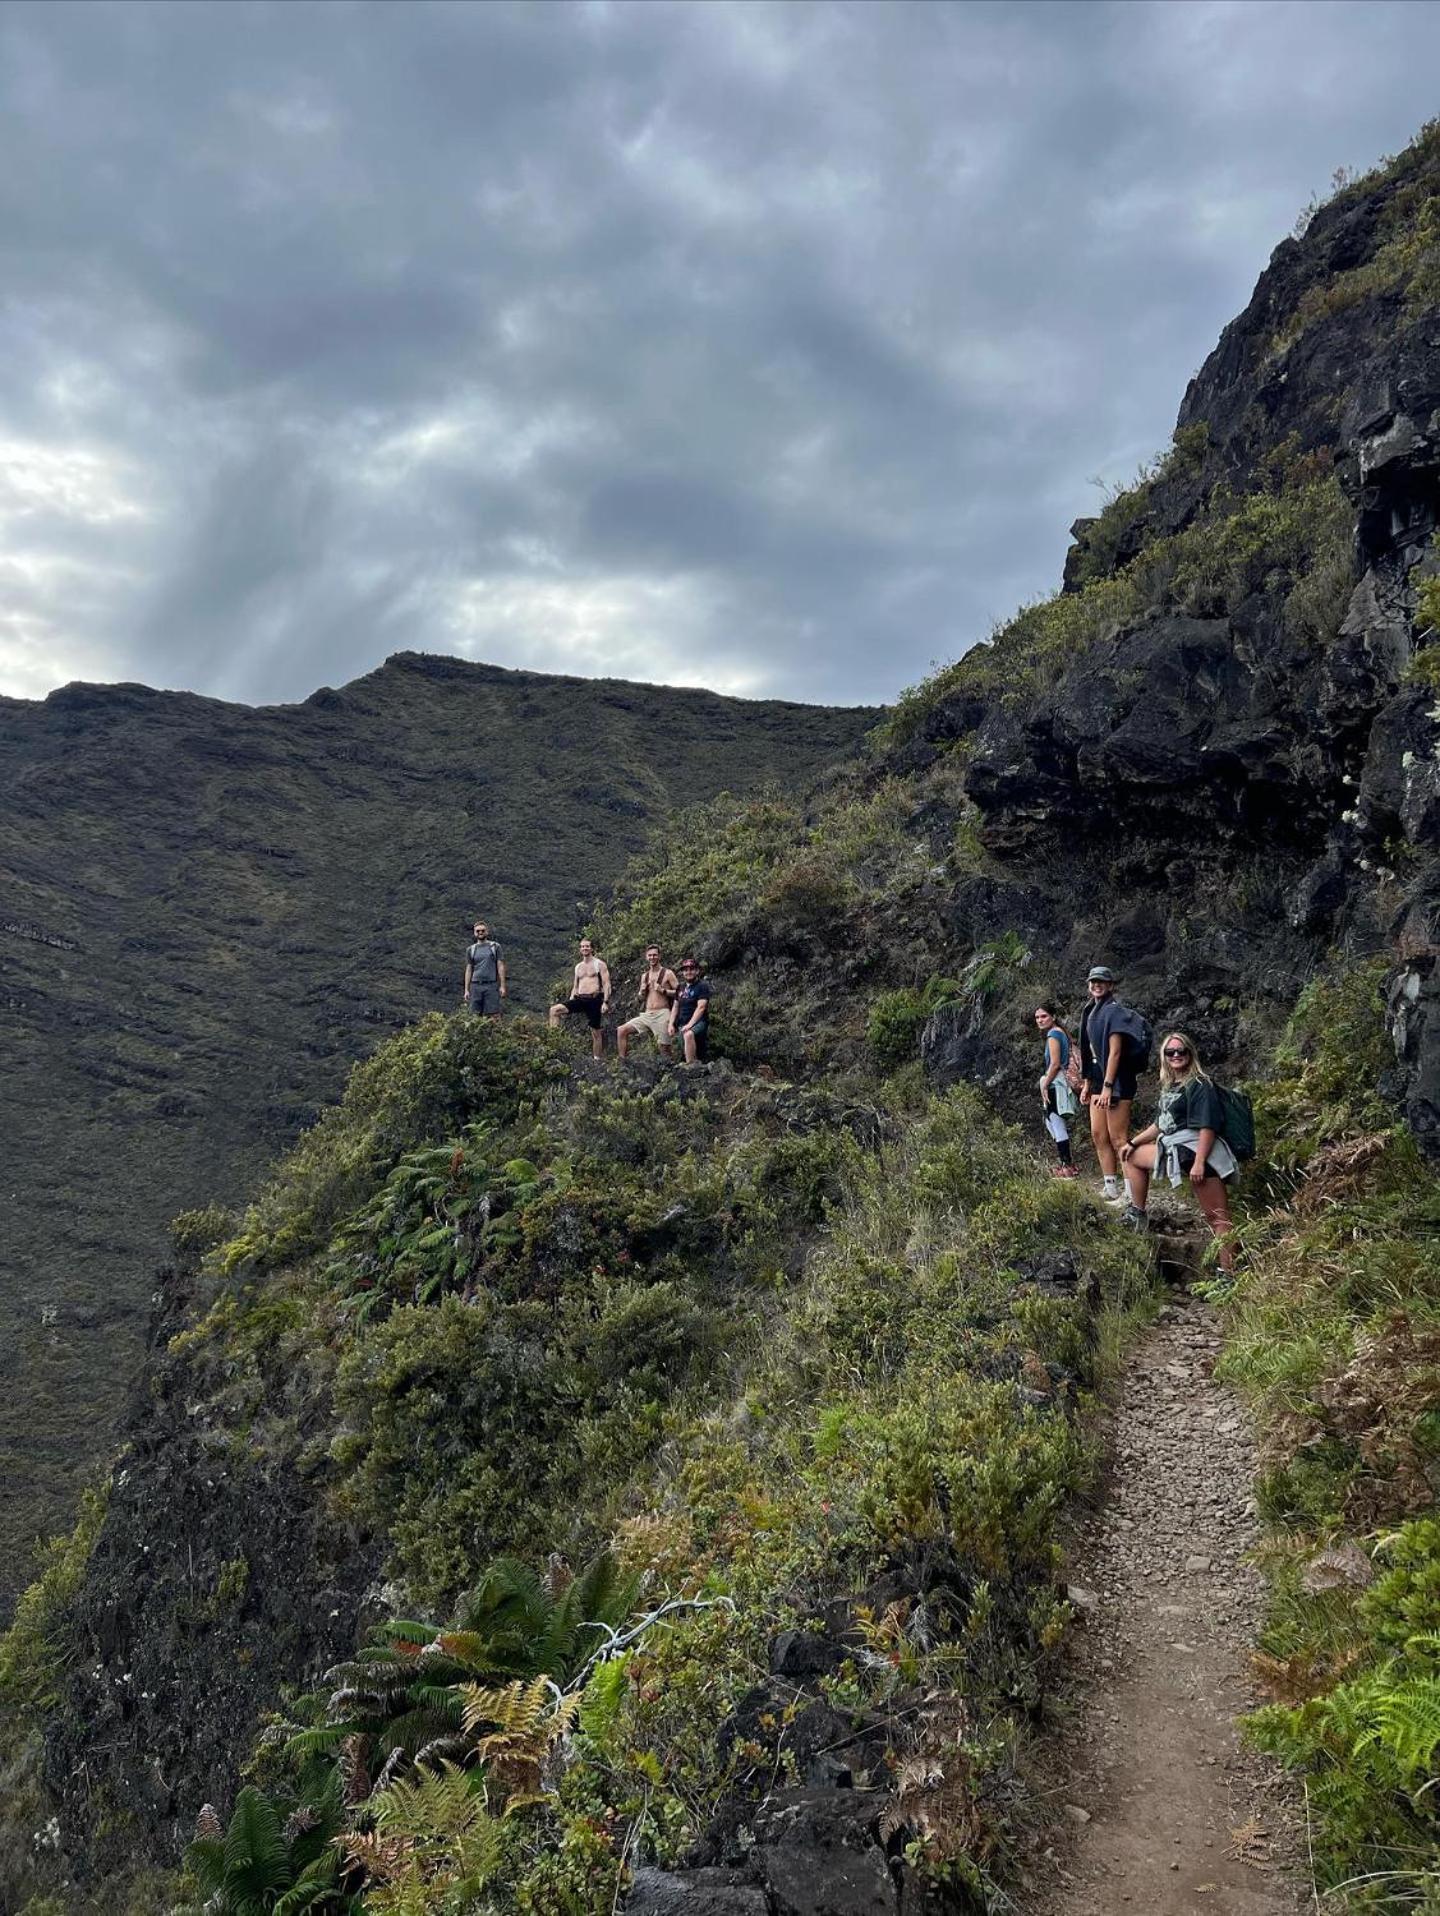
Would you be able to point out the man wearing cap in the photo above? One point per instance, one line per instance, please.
(1110, 1080)
(484, 985)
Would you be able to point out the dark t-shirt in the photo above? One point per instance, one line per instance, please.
(690, 996)
(484, 961)
(1105, 1019)
(1190, 1107)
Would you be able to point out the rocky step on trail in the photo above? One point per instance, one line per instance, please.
(1167, 1813)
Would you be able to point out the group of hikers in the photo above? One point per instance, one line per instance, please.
(1099, 1071)
(672, 1004)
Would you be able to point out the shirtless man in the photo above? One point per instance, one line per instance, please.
(656, 992)
(589, 995)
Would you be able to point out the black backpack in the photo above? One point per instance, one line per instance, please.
(1139, 1038)
(1237, 1122)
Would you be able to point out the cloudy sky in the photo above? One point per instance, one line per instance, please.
(765, 347)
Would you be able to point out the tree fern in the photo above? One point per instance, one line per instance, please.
(261, 1866)
(257, 1858)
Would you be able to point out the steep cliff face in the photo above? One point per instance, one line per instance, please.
(211, 910)
(1218, 752)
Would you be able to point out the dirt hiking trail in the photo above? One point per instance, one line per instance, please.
(1166, 1813)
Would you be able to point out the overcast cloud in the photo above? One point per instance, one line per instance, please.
(771, 348)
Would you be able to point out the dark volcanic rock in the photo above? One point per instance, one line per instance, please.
(696, 1892)
(217, 1578)
(819, 1854)
(1211, 802)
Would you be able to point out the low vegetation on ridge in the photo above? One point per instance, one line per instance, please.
(1334, 1332)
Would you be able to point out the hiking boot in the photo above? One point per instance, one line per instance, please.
(1134, 1220)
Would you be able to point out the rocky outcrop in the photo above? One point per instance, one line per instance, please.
(218, 1578)
(1212, 799)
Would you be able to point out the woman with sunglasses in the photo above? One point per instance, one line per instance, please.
(1184, 1141)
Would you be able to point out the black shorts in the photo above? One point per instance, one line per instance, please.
(1185, 1158)
(588, 1008)
(1127, 1084)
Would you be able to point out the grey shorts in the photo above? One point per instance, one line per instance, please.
(485, 999)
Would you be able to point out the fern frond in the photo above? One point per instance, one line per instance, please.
(402, 1630)
(438, 1803)
(313, 1886)
(257, 1858)
(518, 1709)
(1407, 1723)
(318, 1742)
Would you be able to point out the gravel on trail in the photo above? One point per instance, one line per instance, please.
(1160, 1809)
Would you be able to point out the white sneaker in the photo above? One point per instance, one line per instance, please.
(1114, 1197)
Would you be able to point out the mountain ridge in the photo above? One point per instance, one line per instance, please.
(212, 908)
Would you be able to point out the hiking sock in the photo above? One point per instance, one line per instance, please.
(1109, 1188)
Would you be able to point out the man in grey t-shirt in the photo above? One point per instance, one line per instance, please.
(484, 985)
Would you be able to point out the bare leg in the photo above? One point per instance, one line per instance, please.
(1138, 1166)
(1214, 1201)
(597, 1041)
(557, 1014)
(622, 1041)
(1118, 1126)
(1100, 1138)
(667, 1052)
(689, 1040)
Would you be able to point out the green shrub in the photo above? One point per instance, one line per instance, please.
(421, 1086)
(1368, 1745)
(194, 1233)
(274, 1859)
(32, 1650)
(897, 1018)
(1328, 1066)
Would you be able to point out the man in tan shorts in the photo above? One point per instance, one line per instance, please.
(656, 992)
(589, 996)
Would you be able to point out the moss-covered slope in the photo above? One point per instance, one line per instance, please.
(211, 910)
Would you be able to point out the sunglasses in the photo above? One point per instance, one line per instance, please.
(1176, 1051)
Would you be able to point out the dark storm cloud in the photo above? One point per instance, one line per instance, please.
(769, 347)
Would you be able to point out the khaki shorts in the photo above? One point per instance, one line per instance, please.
(657, 1023)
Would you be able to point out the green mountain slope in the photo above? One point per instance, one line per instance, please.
(209, 911)
(796, 1352)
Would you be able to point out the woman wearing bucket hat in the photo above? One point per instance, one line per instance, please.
(1114, 1049)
